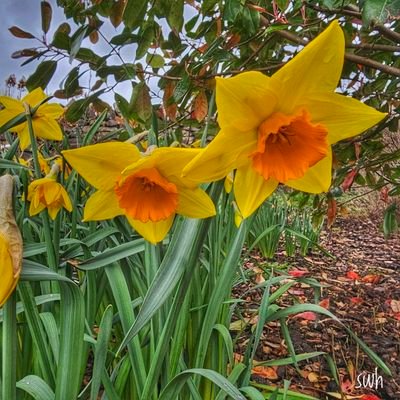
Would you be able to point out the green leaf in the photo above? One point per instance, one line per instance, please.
(36, 387)
(76, 41)
(123, 106)
(112, 255)
(134, 13)
(72, 82)
(140, 103)
(390, 224)
(76, 110)
(7, 164)
(175, 15)
(46, 13)
(42, 76)
(174, 387)
(378, 11)
(100, 353)
(155, 60)
(146, 36)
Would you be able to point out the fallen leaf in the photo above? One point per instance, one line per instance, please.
(356, 300)
(298, 273)
(308, 315)
(265, 372)
(395, 306)
(324, 303)
(352, 275)
(374, 279)
(313, 377)
(370, 397)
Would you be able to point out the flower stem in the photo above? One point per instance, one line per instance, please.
(51, 254)
(9, 349)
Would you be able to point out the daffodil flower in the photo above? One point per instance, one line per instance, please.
(10, 241)
(48, 193)
(147, 189)
(280, 129)
(44, 120)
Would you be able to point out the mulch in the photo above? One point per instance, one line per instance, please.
(361, 287)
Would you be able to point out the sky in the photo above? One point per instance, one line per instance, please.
(25, 14)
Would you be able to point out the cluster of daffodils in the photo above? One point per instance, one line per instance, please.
(274, 130)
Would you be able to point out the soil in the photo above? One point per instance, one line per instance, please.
(361, 287)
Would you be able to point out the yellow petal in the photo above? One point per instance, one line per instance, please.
(229, 150)
(169, 162)
(244, 101)
(317, 179)
(53, 211)
(51, 110)
(46, 128)
(317, 68)
(7, 115)
(153, 232)
(35, 97)
(24, 138)
(101, 164)
(67, 204)
(101, 205)
(343, 116)
(8, 281)
(35, 207)
(12, 104)
(195, 203)
(52, 192)
(251, 189)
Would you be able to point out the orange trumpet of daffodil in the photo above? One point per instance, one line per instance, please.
(280, 129)
(10, 241)
(48, 193)
(147, 188)
(43, 121)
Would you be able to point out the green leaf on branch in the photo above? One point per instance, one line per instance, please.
(46, 13)
(76, 41)
(140, 103)
(175, 15)
(134, 13)
(379, 11)
(42, 76)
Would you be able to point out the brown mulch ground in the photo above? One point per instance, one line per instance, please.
(362, 289)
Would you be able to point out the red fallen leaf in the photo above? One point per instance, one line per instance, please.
(356, 300)
(397, 316)
(347, 386)
(324, 303)
(298, 273)
(352, 275)
(385, 194)
(308, 315)
(265, 372)
(348, 181)
(370, 397)
(371, 279)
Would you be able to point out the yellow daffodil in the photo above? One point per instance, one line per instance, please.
(146, 188)
(280, 129)
(10, 241)
(44, 165)
(47, 193)
(44, 120)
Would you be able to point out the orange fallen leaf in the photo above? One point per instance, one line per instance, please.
(356, 300)
(265, 372)
(374, 279)
(324, 303)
